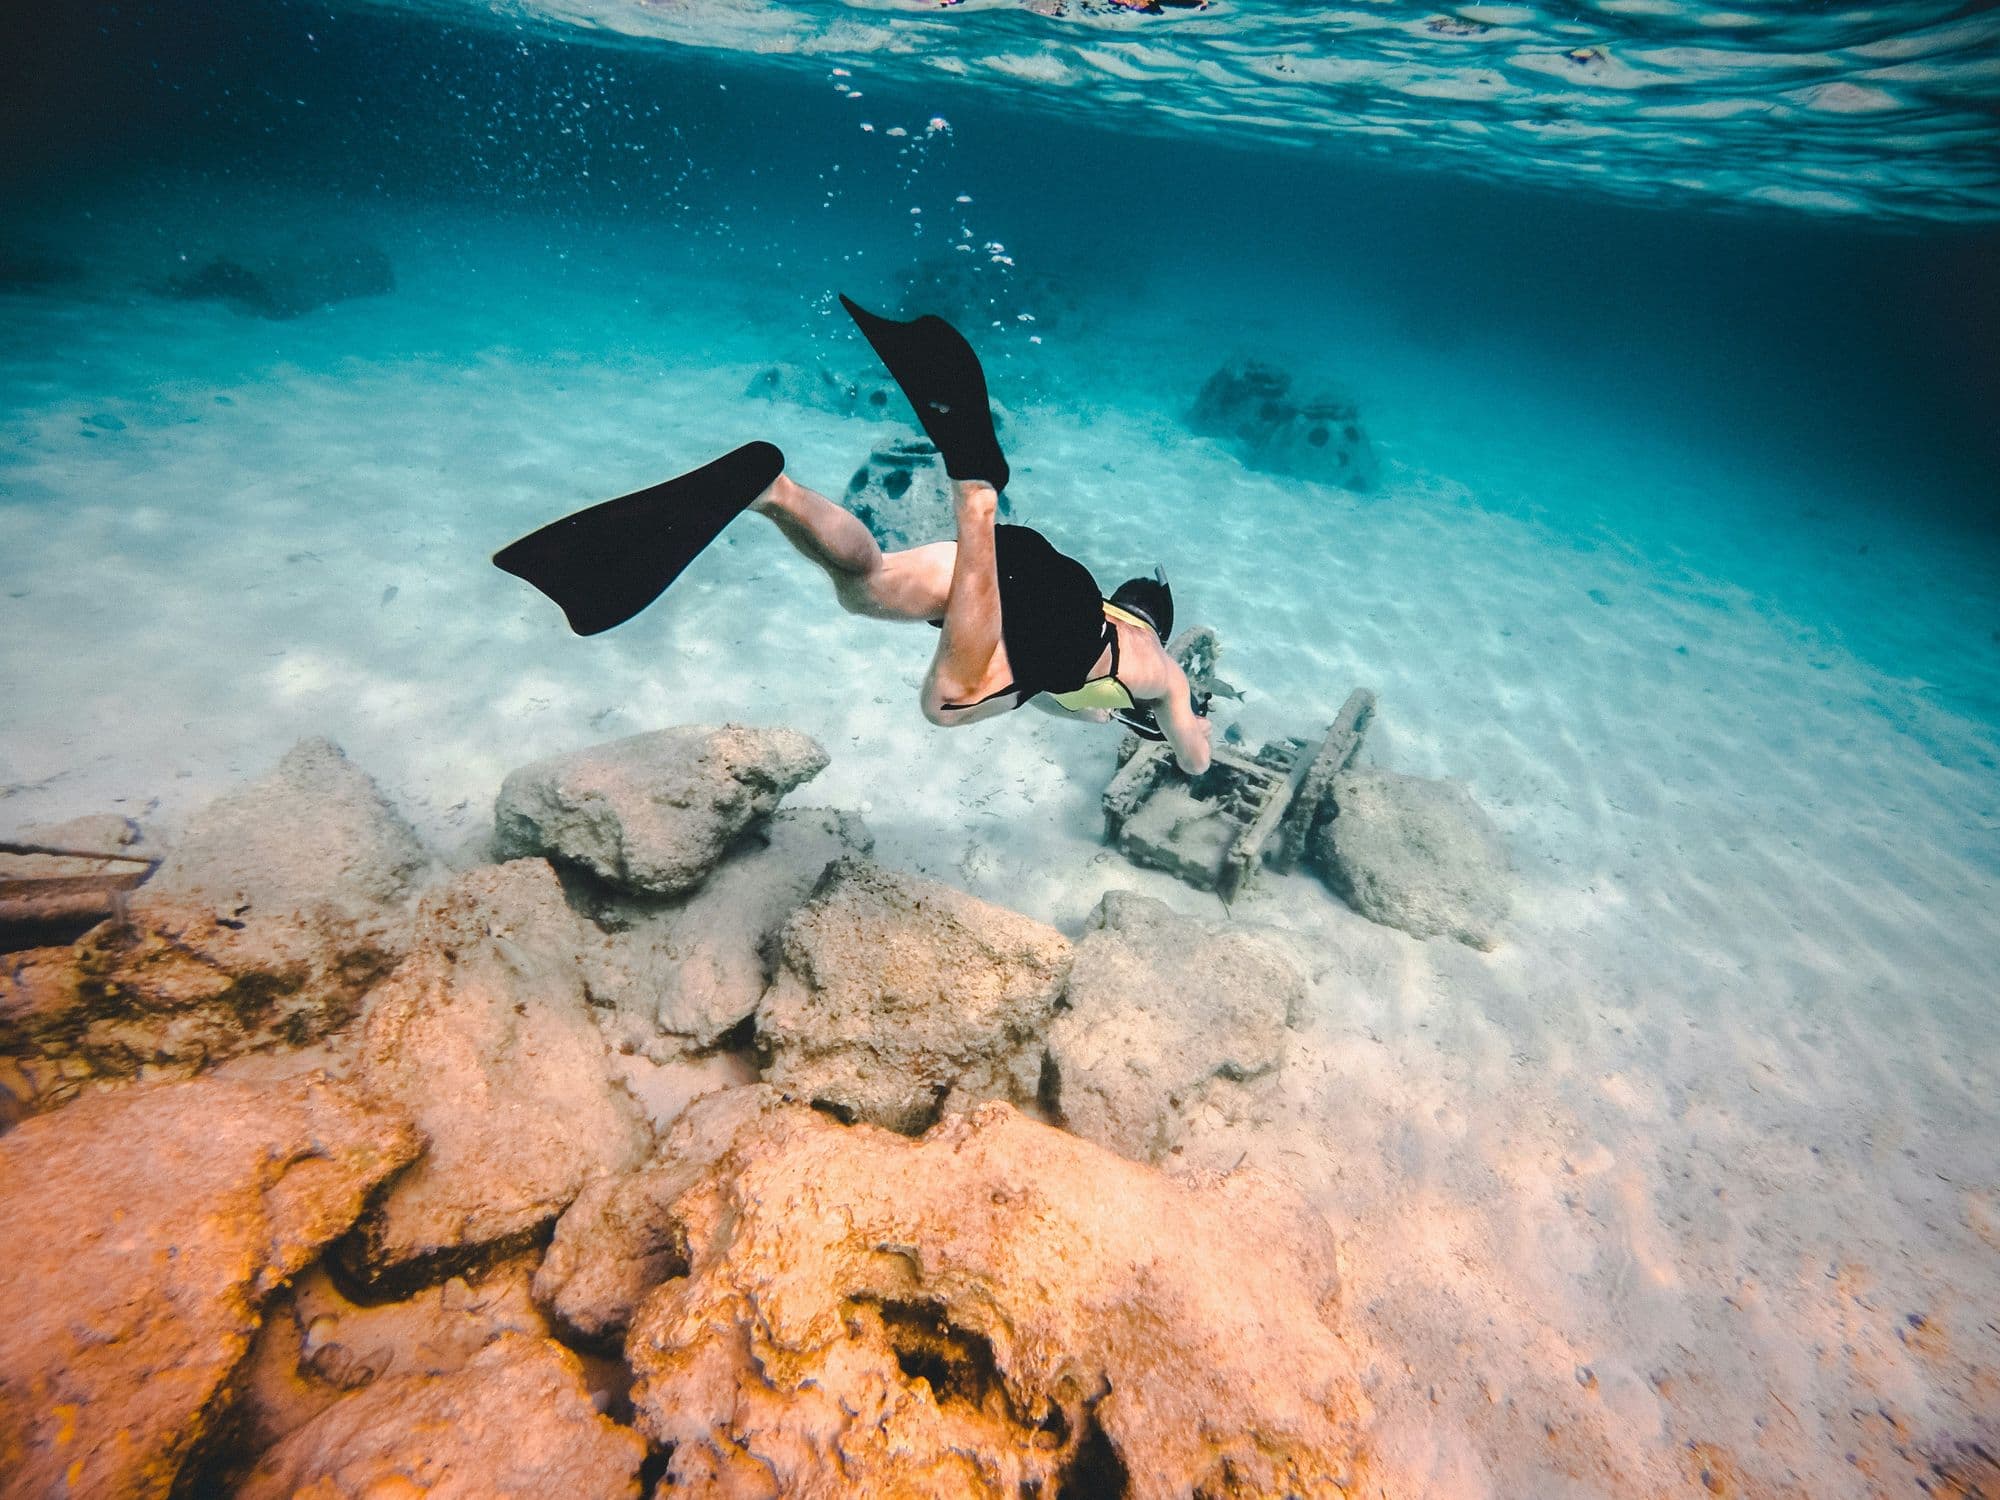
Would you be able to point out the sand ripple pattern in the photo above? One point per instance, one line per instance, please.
(1885, 113)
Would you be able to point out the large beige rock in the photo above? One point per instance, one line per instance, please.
(318, 1345)
(485, 1038)
(1416, 854)
(141, 1232)
(1161, 1010)
(997, 1309)
(283, 902)
(671, 975)
(652, 813)
(516, 1423)
(896, 996)
(620, 1238)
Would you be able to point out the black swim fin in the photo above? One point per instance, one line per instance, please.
(940, 374)
(605, 564)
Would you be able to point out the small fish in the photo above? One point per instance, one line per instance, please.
(299, 557)
(1223, 689)
(389, 593)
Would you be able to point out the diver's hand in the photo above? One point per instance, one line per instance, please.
(1191, 744)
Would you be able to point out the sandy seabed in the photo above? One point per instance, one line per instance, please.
(1692, 1181)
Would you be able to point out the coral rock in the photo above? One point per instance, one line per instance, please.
(1251, 406)
(904, 498)
(144, 1230)
(285, 278)
(517, 1421)
(825, 389)
(995, 1310)
(1416, 854)
(1160, 1009)
(691, 972)
(283, 902)
(652, 813)
(895, 995)
(485, 1037)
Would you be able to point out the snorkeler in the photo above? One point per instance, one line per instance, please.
(1019, 621)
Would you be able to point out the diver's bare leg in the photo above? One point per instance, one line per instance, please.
(969, 654)
(832, 537)
(868, 581)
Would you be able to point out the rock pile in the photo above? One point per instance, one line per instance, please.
(824, 388)
(1250, 405)
(446, 1251)
(284, 279)
(997, 1309)
(279, 907)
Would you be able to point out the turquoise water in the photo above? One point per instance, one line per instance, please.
(1675, 333)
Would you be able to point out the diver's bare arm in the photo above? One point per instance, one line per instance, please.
(1185, 730)
(971, 635)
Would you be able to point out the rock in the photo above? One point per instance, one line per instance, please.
(1159, 1010)
(1250, 405)
(998, 1309)
(144, 1230)
(896, 996)
(1416, 854)
(619, 1239)
(286, 278)
(317, 1346)
(485, 1037)
(652, 813)
(517, 1421)
(692, 972)
(903, 496)
(284, 901)
(825, 389)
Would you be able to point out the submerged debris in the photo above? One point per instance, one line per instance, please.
(1213, 830)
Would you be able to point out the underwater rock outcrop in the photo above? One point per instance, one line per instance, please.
(997, 1309)
(285, 280)
(485, 1037)
(826, 389)
(903, 496)
(896, 997)
(1159, 1009)
(667, 976)
(281, 904)
(517, 1422)
(654, 812)
(1415, 854)
(144, 1230)
(1250, 405)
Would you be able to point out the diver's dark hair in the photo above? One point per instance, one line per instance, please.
(1150, 599)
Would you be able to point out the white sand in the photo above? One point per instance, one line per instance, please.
(1696, 1174)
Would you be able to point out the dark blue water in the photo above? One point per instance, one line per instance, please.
(1849, 368)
